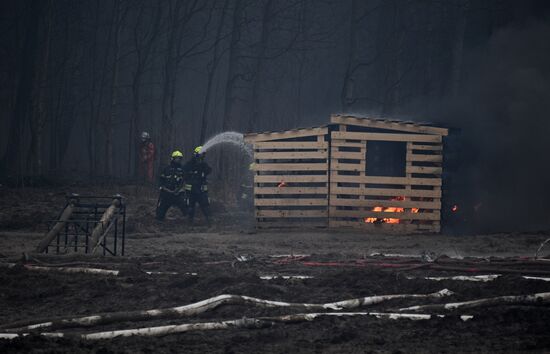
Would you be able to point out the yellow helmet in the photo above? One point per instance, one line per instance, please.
(252, 166)
(177, 153)
(198, 149)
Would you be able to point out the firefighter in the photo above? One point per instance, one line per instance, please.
(196, 172)
(146, 157)
(172, 187)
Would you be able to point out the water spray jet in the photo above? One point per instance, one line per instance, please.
(233, 138)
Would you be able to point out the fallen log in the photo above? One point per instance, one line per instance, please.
(65, 216)
(541, 247)
(408, 267)
(102, 226)
(476, 269)
(200, 307)
(285, 277)
(246, 323)
(73, 270)
(100, 271)
(477, 278)
(536, 278)
(474, 278)
(388, 315)
(538, 298)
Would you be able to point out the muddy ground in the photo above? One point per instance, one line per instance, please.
(342, 265)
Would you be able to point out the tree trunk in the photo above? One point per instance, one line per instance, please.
(538, 298)
(12, 161)
(34, 161)
(206, 305)
(259, 65)
(346, 93)
(111, 117)
(301, 62)
(65, 216)
(169, 77)
(103, 225)
(232, 74)
(211, 73)
(96, 103)
(458, 48)
(228, 122)
(143, 48)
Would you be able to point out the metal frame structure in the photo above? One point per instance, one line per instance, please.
(77, 230)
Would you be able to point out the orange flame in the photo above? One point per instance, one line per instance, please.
(388, 210)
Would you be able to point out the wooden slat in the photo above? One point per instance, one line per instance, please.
(290, 178)
(381, 214)
(424, 169)
(274, 155)
(288, 224)
(383, 228)
(291, 190)
(347, 155)
(291, 213)
(299, 133)
(400, 126)
(387, 137)
(310, 145)
(424, 158)
(386, 180)
(291, 167)
(343, 143)
(369, 203)
(337, 166)
(387, 192)
(291, 202)
(426, 147)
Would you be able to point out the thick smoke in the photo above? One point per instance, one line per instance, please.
(504, 114)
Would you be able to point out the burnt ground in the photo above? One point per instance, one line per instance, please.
(211, 253)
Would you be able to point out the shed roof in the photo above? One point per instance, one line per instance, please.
(346, 119)
(286, 134)
(390, 124)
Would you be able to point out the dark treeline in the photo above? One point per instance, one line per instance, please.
(81, 79)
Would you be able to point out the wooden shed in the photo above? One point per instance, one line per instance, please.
(375, 174)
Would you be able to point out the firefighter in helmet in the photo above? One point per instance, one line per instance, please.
(172, 187)
(196, 172)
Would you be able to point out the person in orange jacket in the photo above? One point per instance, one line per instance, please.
(146, 157)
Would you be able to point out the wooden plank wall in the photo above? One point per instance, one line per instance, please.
(291, 181)
(353, 196)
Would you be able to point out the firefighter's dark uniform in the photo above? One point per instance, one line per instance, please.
(172, 191)
(196, 171)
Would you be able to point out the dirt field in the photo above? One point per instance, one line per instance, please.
(200, 262)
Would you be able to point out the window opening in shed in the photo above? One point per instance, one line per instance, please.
(386, 158)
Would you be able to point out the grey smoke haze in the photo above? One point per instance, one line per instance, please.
(78, 86)
(504, 113)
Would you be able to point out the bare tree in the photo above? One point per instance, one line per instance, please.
(38, 117)
(458, 47)
(96, 91)
(180, 16)
(13, 159)
(119, 16)
(258, 68)
(211, 71)
(144, 38)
